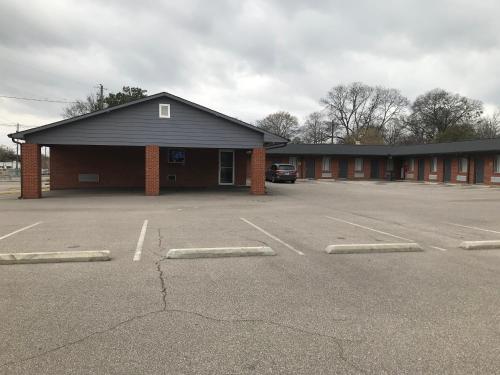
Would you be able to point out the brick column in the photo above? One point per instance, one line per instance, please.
(258, 170)
(31, 171)
(152, 169)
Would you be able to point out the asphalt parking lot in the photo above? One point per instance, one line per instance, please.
(302, 311)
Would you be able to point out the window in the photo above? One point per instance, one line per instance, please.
(434, 164)
(226, 167)
(176, 156)
(411, 165)
(286, 167)
(358, 165)
(497, 164)
(326, 164)
(390, 165)
(463, 165)
(164, 110)
(293, 161)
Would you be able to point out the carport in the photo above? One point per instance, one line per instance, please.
(158, 141)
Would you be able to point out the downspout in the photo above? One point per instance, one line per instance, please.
(20, 166)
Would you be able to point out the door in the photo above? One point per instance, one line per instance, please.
(421, 169)
(478, 171)
(226, 167)
(374, 169)
(343, 168)
(446, 170)
(310, 168)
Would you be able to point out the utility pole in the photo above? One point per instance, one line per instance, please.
(101, 100)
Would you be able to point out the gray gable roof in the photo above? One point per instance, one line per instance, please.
(332, 149)
(480, 145)
(268, 137)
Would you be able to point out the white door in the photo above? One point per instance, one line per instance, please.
(226, 167)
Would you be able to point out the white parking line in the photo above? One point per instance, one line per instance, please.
(138, 249)
(20, 230)
(367, 228)
(476, 228)
(438, 248)
(272, 236)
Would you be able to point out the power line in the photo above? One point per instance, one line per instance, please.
(23, 126)
(38, 100)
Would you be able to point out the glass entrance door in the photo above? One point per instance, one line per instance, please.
(226, 167)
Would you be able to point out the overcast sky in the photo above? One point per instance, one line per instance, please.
(243, 58)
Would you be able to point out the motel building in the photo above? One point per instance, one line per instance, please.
(467, 162)
(164, 141)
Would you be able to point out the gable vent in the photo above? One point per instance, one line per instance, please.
(164, 110)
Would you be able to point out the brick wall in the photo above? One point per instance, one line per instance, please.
(116, 166)
(335, 167)
(489, 170)
(258, 165)
(469, 177)
(152, 170)
(125, 167)
(240, 167)
(200, 169)
(463, 179)
(318, 166)
(31, 169)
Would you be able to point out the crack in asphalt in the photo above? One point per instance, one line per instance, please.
(338, 342)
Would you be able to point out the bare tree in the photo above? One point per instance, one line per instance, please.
(439, 115)
(280, 123)
(488, 126)
(82, 107)
(358, 108)
(315, 129)
(94, 102)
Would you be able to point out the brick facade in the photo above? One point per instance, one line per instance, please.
(31, 171)
(115, 166)
(258, 170)
(489, 170)
(200, 169)
(152, 170)
(456, 177)
(125, 167)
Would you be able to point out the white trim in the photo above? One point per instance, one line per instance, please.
(160, 107)
(226, 183)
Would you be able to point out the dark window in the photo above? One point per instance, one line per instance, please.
(176, 156)
(286, 167)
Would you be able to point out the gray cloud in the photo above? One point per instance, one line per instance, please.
(244, 58)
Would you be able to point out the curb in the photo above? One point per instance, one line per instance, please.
(55, 257)
(373, 248)
(480, 245)
(219, 252)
